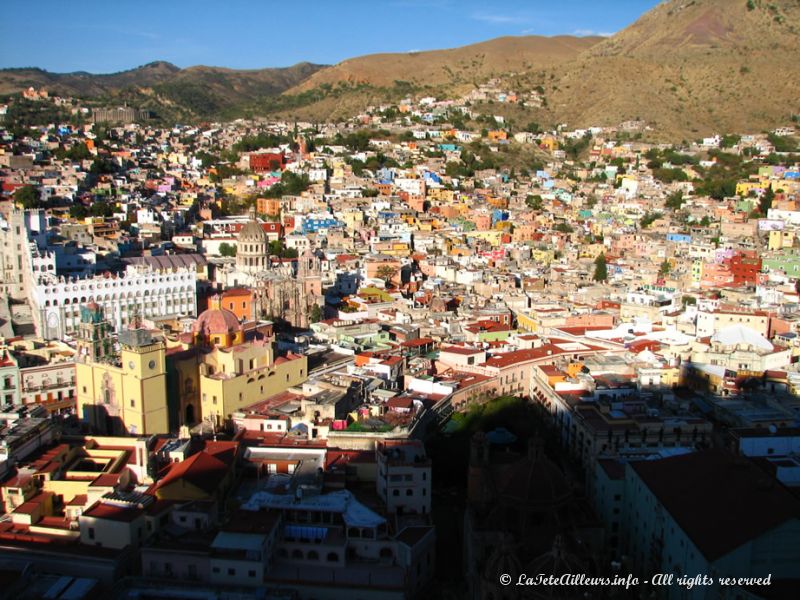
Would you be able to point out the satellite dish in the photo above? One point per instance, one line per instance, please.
(773, 429)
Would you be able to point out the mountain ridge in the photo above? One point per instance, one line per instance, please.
(685, 67)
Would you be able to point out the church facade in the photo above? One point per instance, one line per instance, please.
(147, 382)
(283, 289)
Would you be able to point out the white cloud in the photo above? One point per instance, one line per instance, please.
(591, 32)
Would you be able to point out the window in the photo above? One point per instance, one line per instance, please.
(133, 403)
(231, 571)
(215, 569)
(409, 492)
(91, 533)
(251, 573)
(396, 493)
(333, 557)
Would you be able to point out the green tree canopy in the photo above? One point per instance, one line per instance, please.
(316, 314)
(226, 249)
(600, 268)
(386, 272)
(78, 211)
(28, 197)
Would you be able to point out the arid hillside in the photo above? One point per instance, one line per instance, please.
(689, 67)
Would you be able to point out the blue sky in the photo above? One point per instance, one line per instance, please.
(102, 36)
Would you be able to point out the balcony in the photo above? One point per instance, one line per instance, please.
(49, 386)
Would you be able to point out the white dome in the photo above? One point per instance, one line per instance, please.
(739, 335)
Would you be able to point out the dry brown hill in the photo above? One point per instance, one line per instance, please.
(453, 67)
(690, 67)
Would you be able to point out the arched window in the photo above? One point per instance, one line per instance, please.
(312, 555)
(333, 557)
(297, 553)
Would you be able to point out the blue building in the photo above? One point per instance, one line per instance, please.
(679, 238)
(313, 224)
(499, 215)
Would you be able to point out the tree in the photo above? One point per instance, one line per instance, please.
(534, 201)
(730, 140)
(564, 227)
(665, 268)
(28, 197)
(226, 249)
(316, 314)
(766, 201)
(649, 218)
(386, 272)
(78, 211)
(674, 200)
(600, 268)
(101, 208)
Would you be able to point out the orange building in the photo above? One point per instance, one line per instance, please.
(239, 301)
(268, 206)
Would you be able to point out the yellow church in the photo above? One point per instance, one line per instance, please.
(151, 382)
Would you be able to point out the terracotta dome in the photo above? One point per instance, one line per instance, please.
(216, 321)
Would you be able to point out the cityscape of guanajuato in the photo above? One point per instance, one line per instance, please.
(400, 299)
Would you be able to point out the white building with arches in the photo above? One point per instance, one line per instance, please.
(155, 292)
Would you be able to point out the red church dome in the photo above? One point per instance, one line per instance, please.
(216, 321)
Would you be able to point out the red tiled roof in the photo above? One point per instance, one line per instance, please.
(416, 343)
(106, 480)
(202, 470)
(113, 513)
(236, 292)
(462, 351)
(224, 451)
(739, 503)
